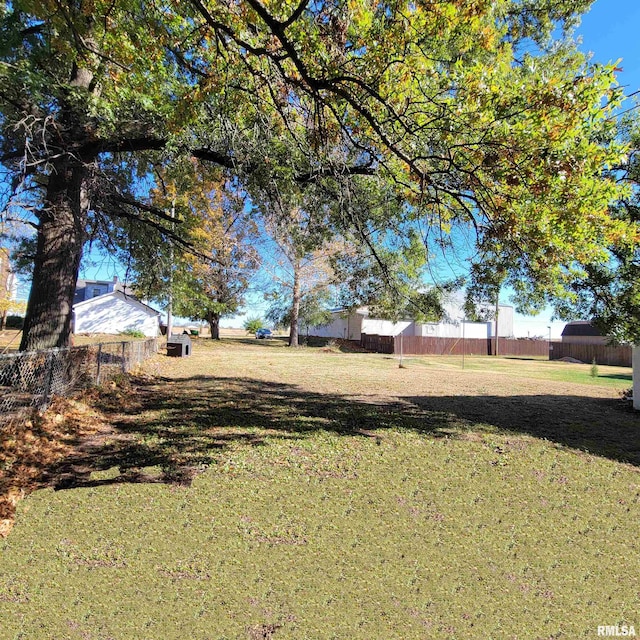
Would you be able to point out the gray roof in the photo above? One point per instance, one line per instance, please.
(580, 328)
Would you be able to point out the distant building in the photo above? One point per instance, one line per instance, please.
(106, 306)
(8, 280)
(582, 332)
(87, 289)
(351, 325)
(8, 289)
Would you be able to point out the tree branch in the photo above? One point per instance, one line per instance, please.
(296, 14)
(144, 207)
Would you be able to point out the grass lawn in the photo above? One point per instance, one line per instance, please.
(254, 492)
(10, 339)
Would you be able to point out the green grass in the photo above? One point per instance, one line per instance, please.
(337, 496)
(535, 368)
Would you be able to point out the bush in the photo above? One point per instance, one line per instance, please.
(253, 324)
(594, 368)
(134, 333)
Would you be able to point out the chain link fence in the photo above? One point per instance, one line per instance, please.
(30, 379)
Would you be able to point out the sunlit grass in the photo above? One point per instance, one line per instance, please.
(336, 496)
(535, 368)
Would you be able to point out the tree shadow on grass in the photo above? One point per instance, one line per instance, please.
(159, 430)
(180, 426)
(606, 427)
(617, 376)
(274, 341)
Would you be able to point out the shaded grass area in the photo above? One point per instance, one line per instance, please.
(184, 424)
(251, 492)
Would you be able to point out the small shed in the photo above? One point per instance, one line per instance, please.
(582, 332)
(115, 313)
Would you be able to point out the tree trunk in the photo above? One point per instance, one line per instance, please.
(214, 325)
(295, 307)
(62, 223)
(61, 235)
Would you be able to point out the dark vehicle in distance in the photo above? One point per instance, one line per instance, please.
(263, 333)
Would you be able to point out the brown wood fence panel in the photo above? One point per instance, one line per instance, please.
(418, 345)
(471, 346)
(379, 344)
(603, 354)
(524, 348)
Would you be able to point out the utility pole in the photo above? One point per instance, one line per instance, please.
(170, 297)
(497, 313)
(463, 340)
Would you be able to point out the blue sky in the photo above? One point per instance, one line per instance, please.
(610, 32)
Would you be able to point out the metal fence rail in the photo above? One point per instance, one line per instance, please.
(30, 379)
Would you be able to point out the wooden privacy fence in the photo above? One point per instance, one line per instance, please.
(601, 353)
(417, 345)
(379, 344)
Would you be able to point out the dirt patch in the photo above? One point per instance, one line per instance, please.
(263, 631)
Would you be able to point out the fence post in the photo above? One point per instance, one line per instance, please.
(124, 364)
(49, 382)
(99, 363)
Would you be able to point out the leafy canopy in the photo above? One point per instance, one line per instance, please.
(469, 111)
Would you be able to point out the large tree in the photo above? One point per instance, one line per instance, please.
(467, 107)
(608, 292)
(79, 81)
(204, 259)
(212, 282)
(299, 259)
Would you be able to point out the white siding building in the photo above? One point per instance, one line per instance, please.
(114, 312)
(351, 326)
(8, 280)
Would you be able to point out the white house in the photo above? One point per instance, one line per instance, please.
(114, 312)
